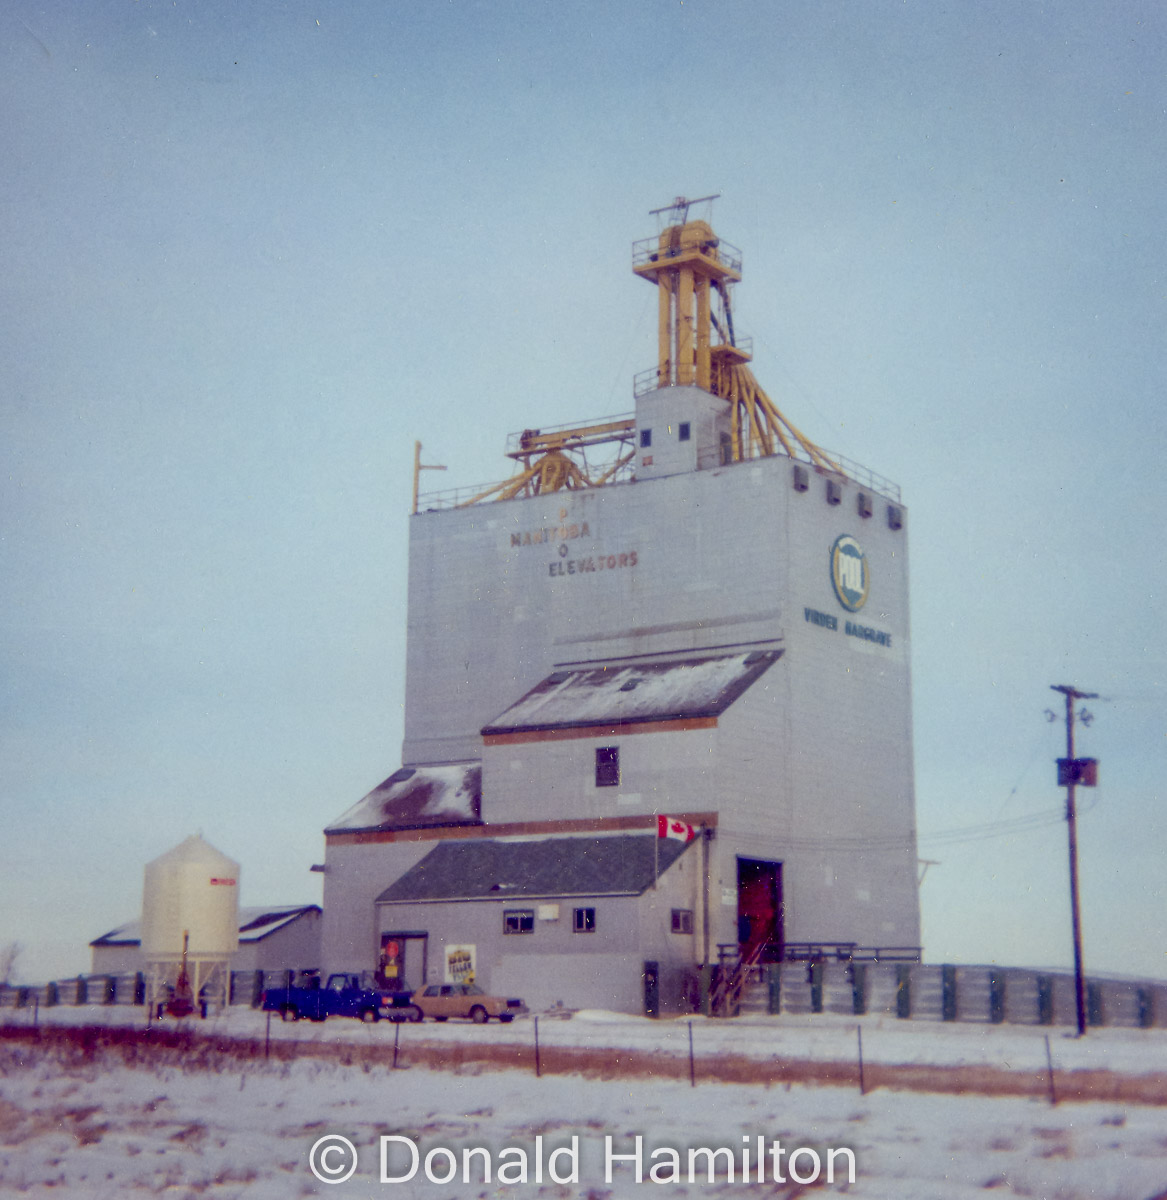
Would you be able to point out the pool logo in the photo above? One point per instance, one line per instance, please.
(849, 573)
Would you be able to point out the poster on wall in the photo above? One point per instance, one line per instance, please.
(459, 964)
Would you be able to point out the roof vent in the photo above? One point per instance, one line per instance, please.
(630, 686)
(559, 677)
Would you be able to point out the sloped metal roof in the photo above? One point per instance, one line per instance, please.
(556, 866)
(254, 925)
(418, 797)
(619, 694)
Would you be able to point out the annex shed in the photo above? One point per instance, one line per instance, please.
(603, 921)
(270, 939)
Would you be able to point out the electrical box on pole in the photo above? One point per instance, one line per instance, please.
(1080, 771)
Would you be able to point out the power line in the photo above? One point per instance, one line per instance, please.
(954, 836)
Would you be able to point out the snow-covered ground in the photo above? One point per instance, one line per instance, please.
(110, 1121)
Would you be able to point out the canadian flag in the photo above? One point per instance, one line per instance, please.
(670, 827)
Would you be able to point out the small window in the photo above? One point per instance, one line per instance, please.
(645, 438)
(518, 920)
(682, 920)
(433, 990)
(683, 431)
(585, 920)
(607, 766)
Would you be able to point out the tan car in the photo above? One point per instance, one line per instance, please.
(444, 1000)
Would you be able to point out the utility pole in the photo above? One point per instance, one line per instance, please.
(1071, 772)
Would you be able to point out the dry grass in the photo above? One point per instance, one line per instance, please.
(74, 1048)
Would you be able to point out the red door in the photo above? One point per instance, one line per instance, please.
(401, 953)
(759, 907)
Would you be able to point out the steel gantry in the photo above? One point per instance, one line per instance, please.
(690, 264)
(694, 272)
(558, 458)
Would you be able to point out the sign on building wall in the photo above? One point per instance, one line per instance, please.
(459, 964)
(849, 573)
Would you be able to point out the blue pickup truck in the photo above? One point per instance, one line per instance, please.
(341, 996)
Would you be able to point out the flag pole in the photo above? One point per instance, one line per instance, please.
(656, 855)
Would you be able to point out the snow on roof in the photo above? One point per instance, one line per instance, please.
(255, 923)
(508, 870)
(618, 694)
(416, 797)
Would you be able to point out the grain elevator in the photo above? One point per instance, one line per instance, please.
(689, 621)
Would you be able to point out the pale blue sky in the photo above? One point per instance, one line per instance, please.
(250, 253)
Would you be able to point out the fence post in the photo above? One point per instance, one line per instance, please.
(996, 997)
(858, 988)
(774, 991)
(948, 992)
(816, 986)
(903, 991)
(1146, 1008)
(862, 1079)
(1095, 1009)
(1045, 1000)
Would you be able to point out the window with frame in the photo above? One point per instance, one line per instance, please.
(683, 431)
(518, 920)
(584, 920)
(607, 766)
(682, 920)
(645, 438)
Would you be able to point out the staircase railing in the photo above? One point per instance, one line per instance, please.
(723, 1000)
